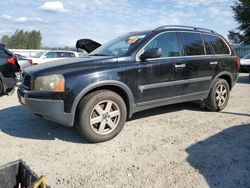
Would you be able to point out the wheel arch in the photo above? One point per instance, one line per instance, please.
(226, 76)
(115, 86)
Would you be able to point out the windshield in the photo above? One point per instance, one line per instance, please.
(119, 46)
(246, 57)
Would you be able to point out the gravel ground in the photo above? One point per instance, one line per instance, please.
(174, 146)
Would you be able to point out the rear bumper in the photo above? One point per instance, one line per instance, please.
(236, 79)
(244, 68)
(52, 110)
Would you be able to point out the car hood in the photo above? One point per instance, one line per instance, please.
(65, 65)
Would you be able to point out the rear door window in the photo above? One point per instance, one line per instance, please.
(65, 54)
(62, 54)
(218, 44)
(51, 55)
(209, 50)
(193, 44)
(169, 44)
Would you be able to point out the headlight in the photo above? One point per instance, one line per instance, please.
(50, 83)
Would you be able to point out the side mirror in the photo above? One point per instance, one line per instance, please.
(151, 53)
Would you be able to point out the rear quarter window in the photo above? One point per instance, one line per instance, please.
(193, 44)
(218, 44)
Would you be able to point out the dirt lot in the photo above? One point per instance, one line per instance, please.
(173, 146)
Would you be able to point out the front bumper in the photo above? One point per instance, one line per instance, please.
(49, 109)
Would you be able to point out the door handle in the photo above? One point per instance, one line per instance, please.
(213, 62)
(180, 65)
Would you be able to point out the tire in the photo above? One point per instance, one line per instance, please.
(218, 97)
(101, 116)
(1, 88)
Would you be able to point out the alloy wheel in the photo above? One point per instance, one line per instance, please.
(221, 95)
(105, 117)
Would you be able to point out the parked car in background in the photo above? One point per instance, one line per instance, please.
(133, 72)
(8, 67)
(245, 64)
(23, 61)
(48, 56)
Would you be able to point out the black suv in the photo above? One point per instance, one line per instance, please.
(134, 72)
(8, 67)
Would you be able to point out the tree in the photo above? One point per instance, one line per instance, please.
(241, 15)
(23, 40)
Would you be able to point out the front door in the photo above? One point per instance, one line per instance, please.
(161, 78)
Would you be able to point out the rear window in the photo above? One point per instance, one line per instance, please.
(218, 44)
(193, 44)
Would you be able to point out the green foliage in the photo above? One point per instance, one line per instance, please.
(241, 10)
(23, 40)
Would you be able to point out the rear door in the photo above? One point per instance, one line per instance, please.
(198, 71)
(222, 59)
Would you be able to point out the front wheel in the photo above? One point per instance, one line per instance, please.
(101, 116)
(219, 95)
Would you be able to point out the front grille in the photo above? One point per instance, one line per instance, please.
(26, 81)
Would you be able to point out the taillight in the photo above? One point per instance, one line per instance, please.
(238, 62)
(12, 60)
(30, 62)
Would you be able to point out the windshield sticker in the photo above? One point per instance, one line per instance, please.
(133, 39)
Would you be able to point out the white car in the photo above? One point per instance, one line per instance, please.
(48, 56)
(245, 64)
(23, 61)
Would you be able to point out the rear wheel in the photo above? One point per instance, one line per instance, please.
(101, 116)
(219, 95)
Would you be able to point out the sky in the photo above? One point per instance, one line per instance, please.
(63, 22)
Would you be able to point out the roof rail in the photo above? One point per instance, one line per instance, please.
(185, 27)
